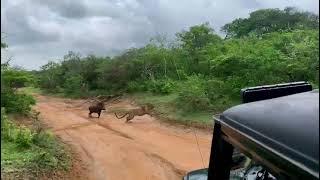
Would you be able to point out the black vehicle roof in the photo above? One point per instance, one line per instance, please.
(288, 125)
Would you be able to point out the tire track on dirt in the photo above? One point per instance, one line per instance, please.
(76, 126)
(81, 146)
(73, 126)
(157, 158)
(115, 131)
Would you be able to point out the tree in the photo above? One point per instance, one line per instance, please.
(3, 45)
(50, 76)
(271, 20)
(11, 79)
(90, 72)
(194, 41)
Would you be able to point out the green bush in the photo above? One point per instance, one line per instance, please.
(134, 86)
(51, 154)
(41, 148)
(17, 103)
(11, 99)
(45, 160)
(43, 139)
(24, 138)
(215, 89)
(73, 85)
(192, 95)
(21, 136)
(161, 86)
(7, 128)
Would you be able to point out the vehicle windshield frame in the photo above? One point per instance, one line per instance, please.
(245, 144)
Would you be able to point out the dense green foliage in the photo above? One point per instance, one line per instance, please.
(271, 20)
(25, 150)
(11, 99)
(11, 80)
(203, 70)
(28, 149)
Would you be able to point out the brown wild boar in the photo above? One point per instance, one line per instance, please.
(97, 108)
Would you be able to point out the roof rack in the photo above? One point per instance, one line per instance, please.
(258, 93)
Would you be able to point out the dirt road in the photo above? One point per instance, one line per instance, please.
(144, 149)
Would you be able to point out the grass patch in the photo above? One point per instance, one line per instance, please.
(31, 90)
(30, 151)
(165, 108)
(14, 158)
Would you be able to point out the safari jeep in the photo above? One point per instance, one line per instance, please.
(273, 135)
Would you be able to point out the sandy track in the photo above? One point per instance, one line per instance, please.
(144, 149)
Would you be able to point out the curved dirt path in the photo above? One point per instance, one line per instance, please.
(144, 149)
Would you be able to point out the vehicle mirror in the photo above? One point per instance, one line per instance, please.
(236, 170)
(238, 162)
(257, 172)
(201, 174)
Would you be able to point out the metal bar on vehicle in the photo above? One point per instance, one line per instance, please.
(220, 156)
(258, 93)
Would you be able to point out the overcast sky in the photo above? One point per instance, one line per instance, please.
(41, 30)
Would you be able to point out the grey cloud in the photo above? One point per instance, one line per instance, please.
(73, 11)
(22, 28)
(42, 30)
(66, 8)
(85, 9)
